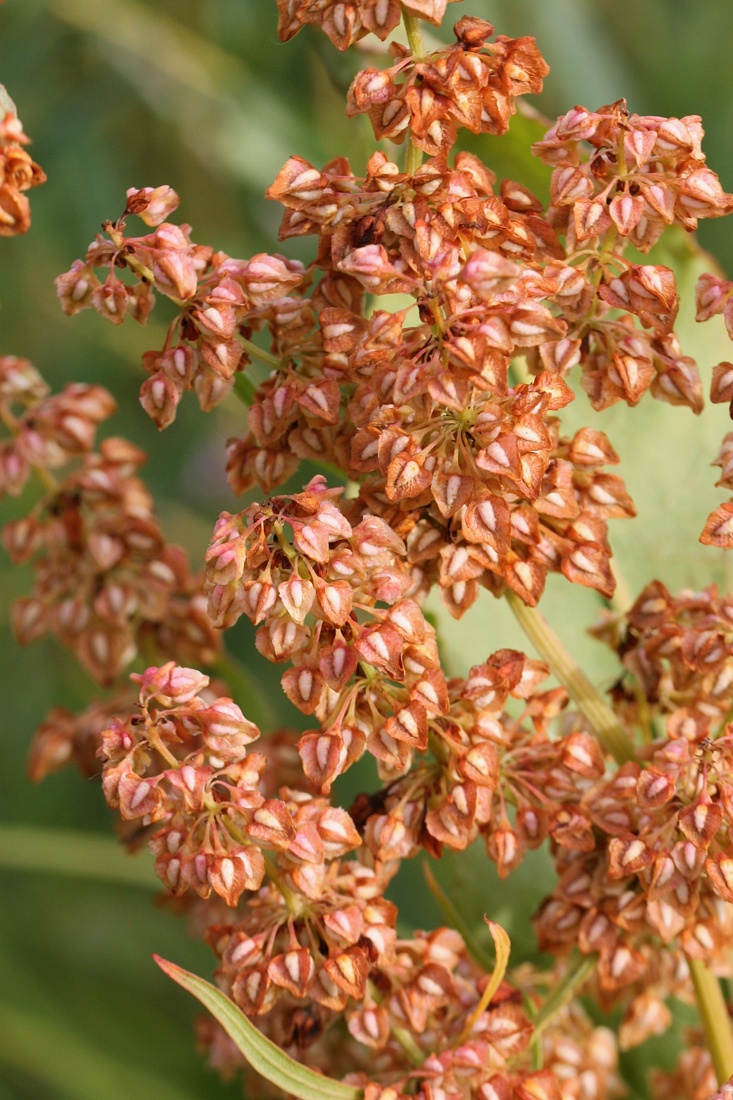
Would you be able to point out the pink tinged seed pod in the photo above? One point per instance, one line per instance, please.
(152, 204)
(110, 300)
(170, 684)
(238, 870)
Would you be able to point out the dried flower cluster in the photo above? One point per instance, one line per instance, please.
(18, 172)
(443, 420)
(105, 580)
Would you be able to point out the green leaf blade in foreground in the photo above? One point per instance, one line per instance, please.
(261, 1053)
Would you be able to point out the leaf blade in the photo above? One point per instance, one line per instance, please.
(261, 1053)
(72, 853)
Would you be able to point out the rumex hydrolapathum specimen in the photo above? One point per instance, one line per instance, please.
(448, 419)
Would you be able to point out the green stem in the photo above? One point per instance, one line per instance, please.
(414, 38)
(589, 701)
(715, 1019)
(413, 158)
(257, 352)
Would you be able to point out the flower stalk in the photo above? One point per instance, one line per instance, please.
(603, 721)
(413, 156)
(715, 1018)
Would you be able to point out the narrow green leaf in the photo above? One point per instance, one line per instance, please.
(503, 946)
(74, 854)
(456, 920)
(262, 1054)
(64, 1063)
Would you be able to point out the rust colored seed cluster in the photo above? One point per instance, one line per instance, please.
(105, 578)
(346, 21)
(18, 172)
(678, 651)
(494, 774)
(427, 985)
(471, 85)
(182, 760)
(643, 173)
(371, 677)
(656, 866)
(715, 297)
(218, 299)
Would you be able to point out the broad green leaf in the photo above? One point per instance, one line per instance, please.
(262, 1054)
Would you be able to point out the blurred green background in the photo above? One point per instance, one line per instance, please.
(199, 94)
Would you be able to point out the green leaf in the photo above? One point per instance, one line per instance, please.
(54, 1055)
(456, 920)
(502, 946)
(72, 853)
(262, 1054)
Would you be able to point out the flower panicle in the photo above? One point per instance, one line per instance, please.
(443, 424)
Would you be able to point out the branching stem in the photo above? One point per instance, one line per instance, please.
(257, 352)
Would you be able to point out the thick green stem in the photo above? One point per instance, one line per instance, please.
(584, 694)
(715, 1019)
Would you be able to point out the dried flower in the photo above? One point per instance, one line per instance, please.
(18, 173)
